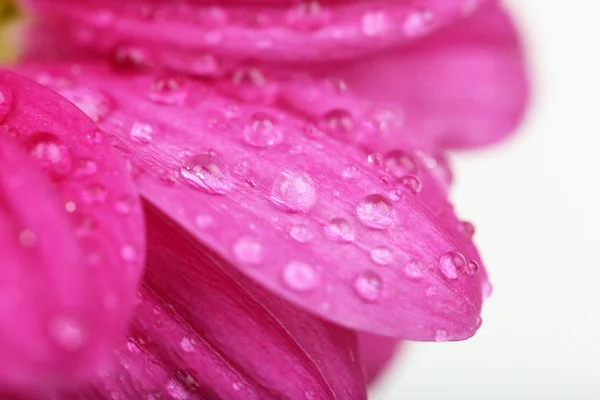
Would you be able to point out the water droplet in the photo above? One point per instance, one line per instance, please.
(375, 159)
(206, 171)
(412, 183)
(249, 250)
(294, 191)
(128, 253)
(177, 390)
(301, 233)
(350, 172)
(27, 238)
(414, 270)
(376, 211)
(300, 277)
(338, 123)
(141, 132)
(95, 136)
(375, 23)
(70, 206)
(124, 205)
(68, 332)
(187, 344)
(168, 89)
(368, 286)
(6, 102)
(340, 230)
(262, 131)
(51, 154)
(204, 221)
(418, 23)
(94, 104)
(452, 264)
(95, 193)
(307, 15)
(441, 335)
(86, 167)
(486, 289)
(467, 228)
(382, 255)
(472, 268)
(400, 163)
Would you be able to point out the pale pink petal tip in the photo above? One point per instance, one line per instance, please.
(71, 240)
(367, 240)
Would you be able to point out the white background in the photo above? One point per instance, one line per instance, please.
(535, 201)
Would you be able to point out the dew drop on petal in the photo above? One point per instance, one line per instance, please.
(338, 123)
(375, 211)
(94, 193)
(412, 183)
(203, 221)
(293, 191)
(51, 154)
(300, 276)
(340, 230)
(249, 250)
(368, 286)
(67, 332)
(399, 163)
(187, 344)
(375, 23)
(176, 390)
(381, 255)
(472, 268)
(350, 172)
(467, 228)
(142, 132)
(452, 264)
(414, 270)
(128, 253)
(27, 238)
(418, 22)
(208, 172)
(486, 289)
(167, 89)
(262, 131)
(301, 233)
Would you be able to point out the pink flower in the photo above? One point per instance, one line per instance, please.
(268, 179)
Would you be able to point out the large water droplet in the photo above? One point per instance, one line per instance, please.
(208, 172)
(262, 131)
(294, 191)
(301, 233)
(51, 153)
(376, 211)
(249, 250)
(368, 286)
(472, 268)
(412, 183)
(300, 277)
(452, 264)
(168, 89)
(340, 230)
(382, 255)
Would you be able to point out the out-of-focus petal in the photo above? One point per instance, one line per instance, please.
(202, 331)
(464, 86)
(309, 217)
(376, 353)
(72, 241)
(197, 37)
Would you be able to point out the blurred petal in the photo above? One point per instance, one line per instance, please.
(464, 86)
(201, 331)
(376, 353)
(314, 220)
(196, 37)
(72, 241)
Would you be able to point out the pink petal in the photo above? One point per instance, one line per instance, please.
(464, 86)
(202, 331)
(376, 353)
(72, 243)
(311, 218)
(198, 37)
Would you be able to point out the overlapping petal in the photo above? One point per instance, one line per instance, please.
(376, 354)
(296, 210)
(72, 241)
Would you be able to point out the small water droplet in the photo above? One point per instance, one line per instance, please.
(486, 289)
(368, 286)
(375, 159)
(441, 335)
(86, 167)
(414, 270)
(412, 183)
(376, 211)
(94, 193)
(293, 191)
(307, 15)
(27, 238)
(68, 332)
(418, 23)
(168, 89)
(382, 255)
(262, 131)
(300, 277)
(70, 206)
(124, 205)
(452, 264)
(400, 163)
(187, 344)
(301, 233)
(467, 228)
(350, 172)
(142, 132)
(472, 268)
(338, 123)
(204, 221)
(51, 154)
(375, 23)
(249, 250)
(340, 230)
(128, 253)
(208, 172)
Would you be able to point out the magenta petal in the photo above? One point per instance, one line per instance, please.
(464, 86)
(72, 242)
(202, 331)
(311, 218)
(376, 353)
(196, 37)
